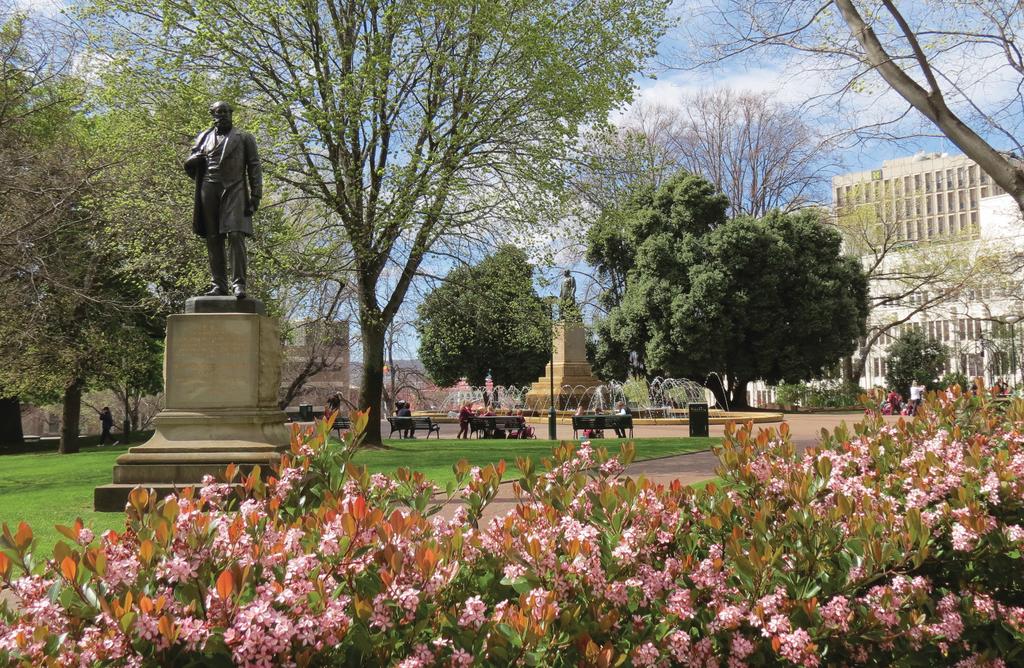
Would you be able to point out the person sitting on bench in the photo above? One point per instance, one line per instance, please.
(621, 409)
(405, 411)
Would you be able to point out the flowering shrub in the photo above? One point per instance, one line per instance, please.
(886, 544)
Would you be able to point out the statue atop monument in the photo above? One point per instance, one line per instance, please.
(567, 298)
(225, 165)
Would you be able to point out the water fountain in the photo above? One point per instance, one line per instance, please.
(660, 400)
(660, 395)
(501, 397)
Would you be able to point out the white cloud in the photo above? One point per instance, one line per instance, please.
(41, 7)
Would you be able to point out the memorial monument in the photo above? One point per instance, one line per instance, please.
(569, 367)
(222, 360)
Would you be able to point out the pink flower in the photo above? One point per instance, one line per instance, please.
(680, 604)
(679, 645)
(473, 613)
(836, 613)
(963, 538)
(797, 647)
(645, 655)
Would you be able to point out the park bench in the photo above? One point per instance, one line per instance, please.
(601, 422)
(342, 423)
(486, 425)
(295, 414)
(413, 424)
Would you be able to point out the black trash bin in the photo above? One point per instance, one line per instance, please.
(698, 414)
(306, 412)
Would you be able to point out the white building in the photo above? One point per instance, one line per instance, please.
(940, 208)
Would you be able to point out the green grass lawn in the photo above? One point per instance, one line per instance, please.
(435, 457)
(46, 489)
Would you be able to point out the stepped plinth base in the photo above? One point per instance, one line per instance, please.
(571, 370)
(221, 374)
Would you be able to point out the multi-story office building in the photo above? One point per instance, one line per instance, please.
(943, 204)
(929, 195)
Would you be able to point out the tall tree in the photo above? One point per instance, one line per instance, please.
(760, 153)
(770, 298)
(913, 356)
(958, 63)
(48, 240)
(408, 120)
(486, 318)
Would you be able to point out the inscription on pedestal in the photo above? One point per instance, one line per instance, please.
(212, 361)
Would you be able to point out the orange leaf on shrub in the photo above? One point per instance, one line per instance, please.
(23, 538)
(68, 568)
(225, 584)
(359, 508)
(146, 551)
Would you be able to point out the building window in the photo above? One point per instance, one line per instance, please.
(942, 226)
(949, 179)
(920, 229)
(972, 174)
(939, 204)
(931, 228)
(928, 182)
(984, 178)
(959, 177)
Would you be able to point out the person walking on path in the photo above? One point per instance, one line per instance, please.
(106, 423)
(916, 395)
(333, 407)
(464, 416)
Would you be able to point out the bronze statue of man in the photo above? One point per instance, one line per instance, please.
(229, 185)
(567, 298)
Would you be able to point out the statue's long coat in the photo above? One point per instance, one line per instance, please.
(240, 160)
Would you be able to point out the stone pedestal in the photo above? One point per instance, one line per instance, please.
(221, 376)
(572, 372)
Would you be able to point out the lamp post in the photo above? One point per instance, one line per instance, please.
(552, 426)
(1013, 352)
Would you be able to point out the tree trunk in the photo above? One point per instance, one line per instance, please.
(72, 411)
(848, 370)
(738, 394)
(10, 423)
(372, 388)
(721, 395)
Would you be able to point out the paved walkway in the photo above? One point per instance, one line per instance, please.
(805, 430)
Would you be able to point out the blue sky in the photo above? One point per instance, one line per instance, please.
(801, 78)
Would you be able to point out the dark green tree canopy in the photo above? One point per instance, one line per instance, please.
(486, 317)
(913, 356)
(770, 298)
